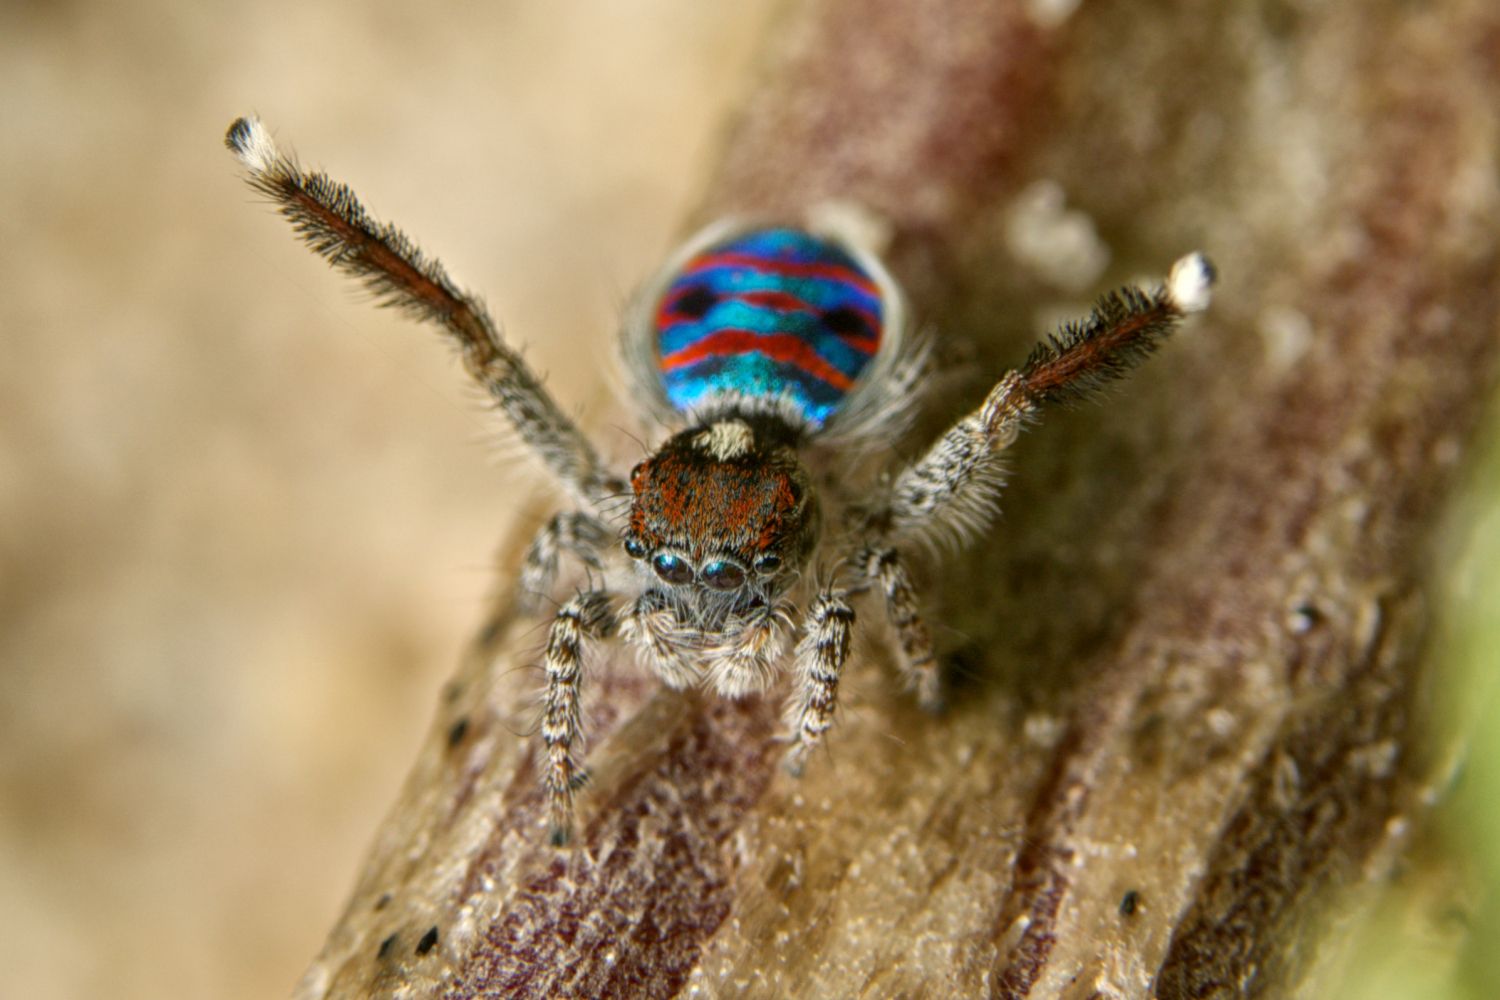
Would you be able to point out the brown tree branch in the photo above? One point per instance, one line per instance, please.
(1190, 658)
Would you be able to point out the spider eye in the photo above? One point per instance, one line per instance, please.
(635, 548)
(723, 575)
(636, 470)
(767, 564)
(672, 569)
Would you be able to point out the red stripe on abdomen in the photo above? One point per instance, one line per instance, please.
(783, 347)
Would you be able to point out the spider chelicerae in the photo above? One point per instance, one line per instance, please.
(762, 343)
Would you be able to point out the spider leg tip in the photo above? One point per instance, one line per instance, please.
(248, 139)
(1190, 283)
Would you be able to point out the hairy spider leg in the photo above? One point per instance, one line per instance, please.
(584, 619)
(573, 532)
(951, 492)
(821, 656)
(331, 220)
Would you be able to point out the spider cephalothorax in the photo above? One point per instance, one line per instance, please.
(725, 508)
(755, 341)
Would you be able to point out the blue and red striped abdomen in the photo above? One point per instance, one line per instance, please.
(775, 314)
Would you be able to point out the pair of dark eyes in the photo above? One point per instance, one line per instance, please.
(719, 574)
(698, 300)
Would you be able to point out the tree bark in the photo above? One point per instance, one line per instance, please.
(1189, 661)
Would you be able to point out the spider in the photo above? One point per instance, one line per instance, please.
(762, 344)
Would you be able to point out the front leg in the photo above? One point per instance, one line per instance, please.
(585, 618)
(820, 660)
(916, 660)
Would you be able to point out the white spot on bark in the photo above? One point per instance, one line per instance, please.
(1051, 13)
(1060, 244)
(1286, 334)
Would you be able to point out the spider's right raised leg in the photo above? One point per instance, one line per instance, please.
(951, 492)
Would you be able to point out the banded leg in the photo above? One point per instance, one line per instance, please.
(917, 661)
(573, 532)
(820, 660)
(330, 219)
(584, 618)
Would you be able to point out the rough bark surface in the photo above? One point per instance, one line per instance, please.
(1189, 660)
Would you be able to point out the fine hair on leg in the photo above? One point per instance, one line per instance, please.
(330, 219)
(584, 619)
(820, 660)
(572, 532)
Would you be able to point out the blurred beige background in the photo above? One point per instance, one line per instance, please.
(246, 520)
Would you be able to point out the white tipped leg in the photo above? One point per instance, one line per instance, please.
(1190, 283)
(248, 139)
(330, 219)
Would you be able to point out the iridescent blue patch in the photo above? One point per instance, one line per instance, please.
(771, 314)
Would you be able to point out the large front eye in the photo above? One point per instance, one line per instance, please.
(672, 569)
(722, 575)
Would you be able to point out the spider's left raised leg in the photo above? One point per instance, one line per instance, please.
(950, 492)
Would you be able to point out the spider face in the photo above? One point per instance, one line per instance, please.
(723, 510)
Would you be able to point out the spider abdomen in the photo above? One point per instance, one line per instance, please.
(774, 316)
